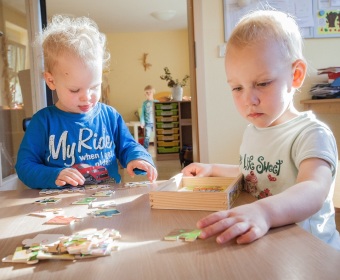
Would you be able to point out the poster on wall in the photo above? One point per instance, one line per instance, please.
(327, 18)
(316, 18)
(302, 10)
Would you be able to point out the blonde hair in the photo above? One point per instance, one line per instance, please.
(269, 25)
(77, 36)
(149, 87)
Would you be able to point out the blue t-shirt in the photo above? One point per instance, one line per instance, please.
(92, 142)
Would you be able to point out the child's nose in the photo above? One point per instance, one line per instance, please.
(86, 95)
(251, 97)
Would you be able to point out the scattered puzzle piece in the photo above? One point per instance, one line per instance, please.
(42, 239)
(136, 184)
(105, 213)
(186, 234)
(62, 220)
(48, 191)
(49, 200)
(84, 200)
(48, 212)
(87, 243)
(61, 190)
(103, 204)
(72, 189)
(106, 193)
(53, 210)
(22, 255)
(95, 187)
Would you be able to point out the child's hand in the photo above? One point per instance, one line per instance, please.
(246, 223)
(70, 176)
(142, 165)
(197, 169)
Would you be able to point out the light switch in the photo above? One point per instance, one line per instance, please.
(221, 50)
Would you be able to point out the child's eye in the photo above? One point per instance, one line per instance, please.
(96, 87)
(236, 89)
(74, 91)
(264, 84)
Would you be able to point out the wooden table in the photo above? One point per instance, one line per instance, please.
(284, 253)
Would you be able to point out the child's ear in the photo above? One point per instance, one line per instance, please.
(299, 73)
(49, 80)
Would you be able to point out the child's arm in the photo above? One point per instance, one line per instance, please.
(211, 170)
(142, 119)
(249, 222)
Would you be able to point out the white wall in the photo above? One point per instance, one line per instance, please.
(224, 127)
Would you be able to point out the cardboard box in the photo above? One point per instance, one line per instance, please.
(196, 193)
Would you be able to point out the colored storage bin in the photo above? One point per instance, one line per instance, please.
(167, 119)
(167, 150)
(167, 137)
(173, 112)
(166, 106)
(168, 131)
(167, 125)
(168, 143)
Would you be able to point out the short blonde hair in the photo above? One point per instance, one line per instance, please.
(149, 87)
(77, 36)
(267, 25)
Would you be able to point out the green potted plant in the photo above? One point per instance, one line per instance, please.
(175, 84)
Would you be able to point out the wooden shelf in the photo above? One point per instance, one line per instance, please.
(183, 128)
(322, 106)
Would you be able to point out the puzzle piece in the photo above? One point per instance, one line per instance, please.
(103, 204)
(48, 191)
(105, 213)
(95, 187)
(42, 239)
(86, 243)
(186, 234)
(22, 255)
(84, 200)
(72, 189)
(49, 200)
(48, 212)
(136, 184)
(62, 220)
(106, 193)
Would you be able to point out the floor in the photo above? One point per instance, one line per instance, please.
(166, 169)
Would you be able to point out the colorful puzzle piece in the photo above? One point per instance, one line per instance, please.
(49, 200)
(106, 193)
(48, 212)
(62, 220)
(186, 234)
(105, 213)
(72, 189)
(48, 191)
(95, 187)
(84, 200)
(87, 243)
(42, 239)
(103, 204)
(136, 184)
(22, 255)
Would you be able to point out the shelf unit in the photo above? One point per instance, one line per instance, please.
(322, 106)
(173, 128)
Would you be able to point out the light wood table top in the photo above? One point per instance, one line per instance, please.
(284, 253)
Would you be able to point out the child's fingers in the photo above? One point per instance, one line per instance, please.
(212, 218)
(232, 231)
(250, 236)
(70, 176)
(217, 227)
